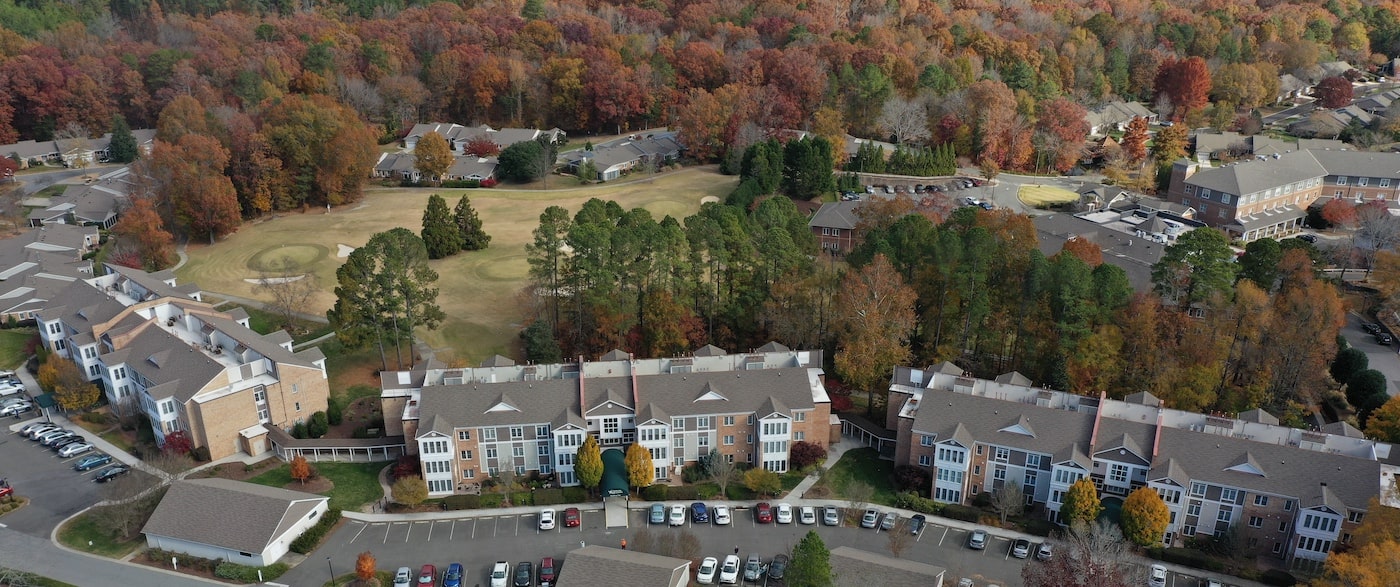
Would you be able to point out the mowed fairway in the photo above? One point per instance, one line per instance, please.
(478, 290)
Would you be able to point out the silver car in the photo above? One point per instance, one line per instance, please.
(831, 515)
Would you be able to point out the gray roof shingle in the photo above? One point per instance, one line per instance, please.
(1256, 176)
(231, 514)
(858, 568)
(599, 565)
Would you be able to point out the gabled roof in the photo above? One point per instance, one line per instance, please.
(772, 406)
(497, 361)
(1014, 378)
(868, 568)
(1021, 426)
(599, 565)
(1321, 496)
(1256, 176)
(245, 517)
(948, 368)
(1343, 429)
(710, 393)
(1144, 398)
(1259, 416)
(836, 215)
(1247, 464)
(773, 346)
(710, 350)
(173, 367)
(616, 355)
(1170, 470)
(651, 413)
(1358, 163)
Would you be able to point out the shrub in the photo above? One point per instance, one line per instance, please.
(335, 412)
(912, 501)
(706, 491)
(247, 574)
(693, 473)
(467, 183)
(318, 425)
(298, 431)
(407, 466)
(804, 454)
(520, 498)
(1187, 556)
(491, 500)
(462, 502)
(911, 478)
(549, 496)
(960, 512)
(683, 492)
(1278, 578)
(157, 555)
(575, 495)
(1040, 526)
(200, 454)
(983, 500)
(311, 538)
(654, 493)
(98, 418)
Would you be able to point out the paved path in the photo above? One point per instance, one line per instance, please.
(46, 558)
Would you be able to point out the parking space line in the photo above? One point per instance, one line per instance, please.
(362, 529)
(386, 533)
(474, 529)
(430, 530)
(408, 533)
(452, 531)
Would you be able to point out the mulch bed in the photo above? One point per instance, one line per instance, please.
(359, 413)
(239, 471)
(314, 485)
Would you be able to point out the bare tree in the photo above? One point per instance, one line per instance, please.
(171, 463)
(899, 541)
(1094, 555)
(128, 502)
(905, 119)
(1009, 501)
(720, 470)
(361, 95)
(687, 546)
(644, 541)
(290, 286)
(1378, 228)
(858, 494)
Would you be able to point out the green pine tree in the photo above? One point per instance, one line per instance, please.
(811, 563)
(533, 10)
(469, 226)
(440, 232)
(122, 148)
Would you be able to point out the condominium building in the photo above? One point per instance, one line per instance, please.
(471, 424)
(1290, 494)
(154, 346)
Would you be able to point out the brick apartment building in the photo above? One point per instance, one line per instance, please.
(154, 346)
(1291, 494)
(468, 425)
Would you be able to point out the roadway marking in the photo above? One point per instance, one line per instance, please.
(452, 531)
(430, 530)
(362, 529)
(409, 533)
(474, 529)
(386, 533)
(943, 537)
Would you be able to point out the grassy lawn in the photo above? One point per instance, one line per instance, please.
(477, 289)
(263, 322)
(79, 531)
(1039, 195)
(12, 343)
(35, 580)
(864, 465)
(356, 484)
(351, 368)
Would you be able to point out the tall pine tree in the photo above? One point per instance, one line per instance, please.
(440, 232)
(469, 226)
(122, 148)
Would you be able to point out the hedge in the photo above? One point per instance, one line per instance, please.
(462, 502)
(683, 492)
(911, 501)
(247, 574)
(575, 495)
(960, 512)
(707, 491)
(311, 538)
(1188, 557)
(491, 500)
(521, 498)
(655, 493)
(549, 496)
(469, 183)
(1278, 578)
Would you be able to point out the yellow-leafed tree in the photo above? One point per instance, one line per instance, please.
(589, 465)
(410, 491)
(639, 467)
(1371, 561)
(1081, 503)
(70, 388)
(432, 156)
(1145, 517)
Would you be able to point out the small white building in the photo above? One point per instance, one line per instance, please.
(228, 520)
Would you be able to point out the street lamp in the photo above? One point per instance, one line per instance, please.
(328, 567)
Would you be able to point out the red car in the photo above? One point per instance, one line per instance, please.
(764, 512)
(571, 518)
(428, 575)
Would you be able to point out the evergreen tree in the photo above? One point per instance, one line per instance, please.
(122, 148)
(533, 10)
(763, 163)
(811, 563)
(385, 287)
(440, 233)
(807, 168)
(469, 226)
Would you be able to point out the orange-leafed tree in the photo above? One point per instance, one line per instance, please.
(1185, 84)
(300, 469)
(1339, 212)
(1087, 250)
(874, 324)
(365, 566)
(142, 232)
(1134, 143)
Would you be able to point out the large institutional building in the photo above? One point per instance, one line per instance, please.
(471, 424)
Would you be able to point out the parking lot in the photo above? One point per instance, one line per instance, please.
(478, 542)
(54, 489)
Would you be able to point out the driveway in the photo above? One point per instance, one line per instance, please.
(1381, 357)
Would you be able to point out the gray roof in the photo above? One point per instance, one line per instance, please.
(1358, 163)
(710, 350)
(157, 283)
(265, 345)
(984, 419)
(599, 565)
(81, 305)
(472, 168)
(497, 361)
(245, 517)
(859, 568)
(1268, 218)
(1259, 416)
(396, 163)
(1134, 255)
(661, 144)
(174, 368)
(836, 215)
(1256, 176)
(1014, 378)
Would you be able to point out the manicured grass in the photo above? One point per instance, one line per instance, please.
(12, 343)
(864, 465)
(263, 322)
(477, 289)
(1039, 195)
(35, 580)
(356, 484)
(79, 531)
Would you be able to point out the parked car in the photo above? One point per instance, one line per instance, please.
(572, 518)
(500, 573)
(1371, 327)
(427, 575)
(32, 426)
(658, 514)
(403, 577)
(1213, 583)
(547, 571)
(1384, 338)
(1045, 552)
(722, 515)
(699, 514)
(111, 473)
(65, 443)
(546, 520)
(16, 408)
(677, 515)
(831, 515)
(52, 433)
(90, 462)
(870, 519)
(965, 582)
(988, 206)
(729, 570)
(887, 523)
(524, 574)
(7, 373)
(763, 513)
(807, 514)
(753, 568)
(46, 427)
(53, 437)
(452, 577)
(916, 524)
(1311, 238)
(1020, 548)
(977, 540)
(10, 389)
(1157, 576)
(74, 449)
(784, 513)
(708, 568)
(778, 567)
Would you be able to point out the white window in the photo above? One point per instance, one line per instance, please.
(1341, 180)
(1261, 500)
(491, 453)
(1193, 508)
(120, 372)
(999, 473)
(566, 459)
(469, 474)
(1225, 514)
(729, 420)
(702, 423)
(95, 370)
(678, 423)
(926, 461)
(466, 455)
(1385, 182)
(464, 435)
(1032, 461)
(925, 440)
(1228, 495)
(610, 426)
(678, 442)
(542, 450)
(541, 431)
(704, 440)
(826, 232)
(1337, 194)
(729, 440)
(488, 434)
(799, 436)
(1256, 522)
(800, 416)
(1002, 454)
(517, 451)
(1362, 181)
(1224, 198)
(1118, 473)
(517, 432)
(1198, 488)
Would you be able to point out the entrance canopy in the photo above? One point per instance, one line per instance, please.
(614, 473)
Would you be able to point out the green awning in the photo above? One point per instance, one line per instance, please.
(614, 473)
(46, 401)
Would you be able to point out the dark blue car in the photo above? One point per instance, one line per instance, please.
(453, 576)
(698, 513)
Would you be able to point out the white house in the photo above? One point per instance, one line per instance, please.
(228, 520)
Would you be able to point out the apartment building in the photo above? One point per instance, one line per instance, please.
(471, 424)
(36, 264)
(154, 346)
(1290, 494)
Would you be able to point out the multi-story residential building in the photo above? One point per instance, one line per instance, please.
(1290, 494)
(154, 346)
(1268, 196)
(834, 226)
(471, 424)
(36, 264)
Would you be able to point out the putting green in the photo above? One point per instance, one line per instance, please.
(300, 254)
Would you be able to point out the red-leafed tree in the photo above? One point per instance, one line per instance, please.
(1339, 212)
(177, 443)
(1186, 84)
(1134, 141)
(804, 454)
(142, 234)
(1333, 92)
(1065, 127)
(481, 147)
(194, 184)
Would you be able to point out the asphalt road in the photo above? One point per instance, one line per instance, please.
(479, 542)
(1381, 357)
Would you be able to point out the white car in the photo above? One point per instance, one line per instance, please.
(16, 408)
(807, 515)
(403, 577)
(784, 515)
(74, 449)
(500, 573)
(677, 515)
(729, 571)
(546, 520)
(708, 568)
(721, 515)
(11, 389)
(1157, 576)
